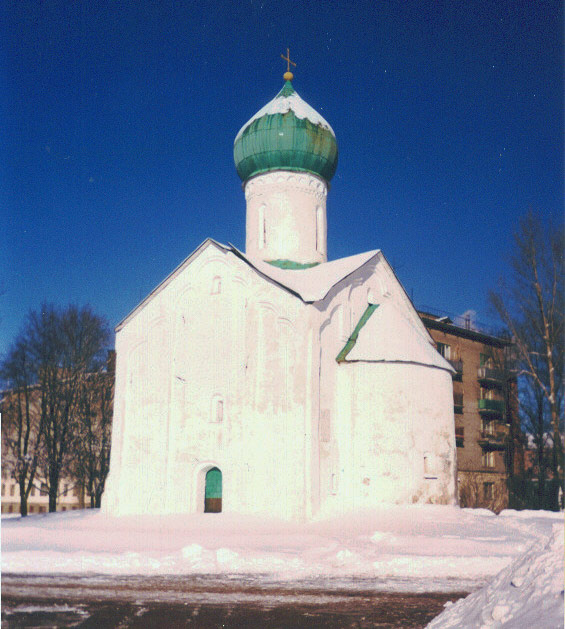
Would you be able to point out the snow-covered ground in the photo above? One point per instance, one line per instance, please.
(415, 548)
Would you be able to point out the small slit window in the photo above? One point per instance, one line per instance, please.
(217, 410)
(262, 229)
(216, 285)
(319, 228)
(333, 484)
(430, 465)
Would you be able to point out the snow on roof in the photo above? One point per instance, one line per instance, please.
(389, 336)
(311, 284)
(284, 104)
(170, 277)
(314, 283)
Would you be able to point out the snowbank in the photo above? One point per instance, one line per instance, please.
(417, 548)
(529, 593)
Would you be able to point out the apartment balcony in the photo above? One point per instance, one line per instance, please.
(492, 441)
(459, 436)
(458, 403)
(491, 407)
(489, 375)
(458, 366)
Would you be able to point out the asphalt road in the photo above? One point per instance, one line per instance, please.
(208, 602)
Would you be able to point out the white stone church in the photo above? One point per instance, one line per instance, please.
(273, 381)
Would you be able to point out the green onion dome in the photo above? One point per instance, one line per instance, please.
(286, 134)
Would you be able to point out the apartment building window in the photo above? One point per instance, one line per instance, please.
(75, 492)
(487, 394)
(44, 491)
(31, 509)
(12, 490)
(3, 489)
(444, 350)
(485, 360)
(32, 492)
(65, 493)
(488, 427)
(488, 459)
(488, 491)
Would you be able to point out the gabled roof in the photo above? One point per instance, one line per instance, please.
(389, 336)
(314, 283)
(309, 285)
(208, 242)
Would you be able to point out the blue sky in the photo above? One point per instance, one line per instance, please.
(121, 119)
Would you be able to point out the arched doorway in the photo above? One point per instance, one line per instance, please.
(213, 491)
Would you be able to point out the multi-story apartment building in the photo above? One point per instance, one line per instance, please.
(72, 497)
(485, 405)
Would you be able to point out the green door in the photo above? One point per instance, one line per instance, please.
(213, 491)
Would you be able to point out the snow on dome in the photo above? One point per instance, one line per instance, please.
(286, 134)
(282, 104)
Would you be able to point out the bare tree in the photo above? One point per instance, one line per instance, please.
(538, 427)
(503, 362)
(530, 304)
(63, 346)
(91, 450)
(22, 431)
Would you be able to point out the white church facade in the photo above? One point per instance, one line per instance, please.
(274, 381)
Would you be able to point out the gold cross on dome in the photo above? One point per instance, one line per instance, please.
(288, 76)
